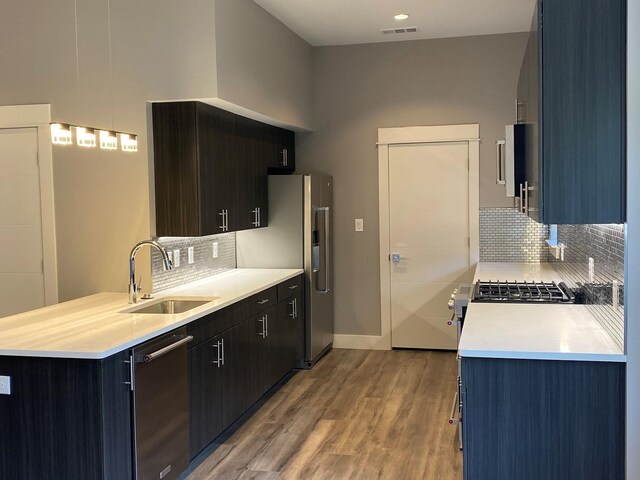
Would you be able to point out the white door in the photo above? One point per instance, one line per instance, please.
(21, 270)
(429, 230)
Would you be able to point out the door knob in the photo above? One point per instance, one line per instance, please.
(396, 257)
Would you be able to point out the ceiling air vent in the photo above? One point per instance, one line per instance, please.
(390, 31)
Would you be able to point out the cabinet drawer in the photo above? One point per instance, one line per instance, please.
(207, 327)
(261, 301)
(289, 287)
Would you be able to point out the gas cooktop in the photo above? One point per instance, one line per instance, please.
(522, 292)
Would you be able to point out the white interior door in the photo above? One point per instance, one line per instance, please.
(21, 259)
(429, 230)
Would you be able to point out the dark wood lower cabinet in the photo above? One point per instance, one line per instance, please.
(205, 400)
(66, 419)
(551, 420)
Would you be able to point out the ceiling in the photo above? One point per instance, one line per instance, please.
(342, 22)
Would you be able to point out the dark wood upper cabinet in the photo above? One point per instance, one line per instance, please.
(572, 95)
(211, 168)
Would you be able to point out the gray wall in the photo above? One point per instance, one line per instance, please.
(632, 306)
(262, 65)
(358, 89)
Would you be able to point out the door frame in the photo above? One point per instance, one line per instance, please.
(39, 117)
(387, 137)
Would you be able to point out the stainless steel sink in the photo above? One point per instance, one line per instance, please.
(169, 306)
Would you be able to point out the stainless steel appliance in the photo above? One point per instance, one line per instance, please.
(161, 407)
(299, 235)
(458, 306)
(522, 292)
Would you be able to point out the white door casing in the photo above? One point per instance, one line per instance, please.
(429, 236)
(387, 137)
(28, 269)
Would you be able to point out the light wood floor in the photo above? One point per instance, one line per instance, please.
(357, 415)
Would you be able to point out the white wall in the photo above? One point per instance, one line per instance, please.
(632, 282)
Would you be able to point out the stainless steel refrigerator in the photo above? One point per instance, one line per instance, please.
(299, 235)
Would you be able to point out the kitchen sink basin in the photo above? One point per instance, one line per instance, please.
(169, 306)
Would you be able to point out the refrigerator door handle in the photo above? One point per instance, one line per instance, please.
(323, 282)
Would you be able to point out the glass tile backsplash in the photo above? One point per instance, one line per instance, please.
(507, 235)
(602, 286)
(204, 264)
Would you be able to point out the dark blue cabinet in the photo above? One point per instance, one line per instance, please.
(571, 97)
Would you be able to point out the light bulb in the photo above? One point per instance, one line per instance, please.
(128, 142)
(401, 16)
(86, 137)
(61, 134)
(108, 140)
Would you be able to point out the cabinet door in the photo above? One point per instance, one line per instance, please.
(252, 174)
(289, 316)
(284, 157)
(234, 373)
(205, 408)
(218, 153)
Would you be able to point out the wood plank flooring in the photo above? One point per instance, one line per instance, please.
(357, 415)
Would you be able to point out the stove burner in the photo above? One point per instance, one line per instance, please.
(534, 292)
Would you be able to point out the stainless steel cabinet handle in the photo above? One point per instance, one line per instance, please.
(158, 353)
(521, 199)
(266, 325)
(292, 287)
(293, 308)
(525, 208)
(225, 220)
(259, 217)
(500, 146)
(256, 221)
(263, 333)
(456, 406)
(285, 159)
(263, 301)
(218, 361)
(222, 349)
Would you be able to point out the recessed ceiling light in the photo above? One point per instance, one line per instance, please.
(401, 16)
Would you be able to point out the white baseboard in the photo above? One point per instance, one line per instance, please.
(361, 342)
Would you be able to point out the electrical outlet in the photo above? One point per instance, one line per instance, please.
(190, 255)
(359, 224)
(5, 385)
(215, 249)
(176, 258)
(592, 265)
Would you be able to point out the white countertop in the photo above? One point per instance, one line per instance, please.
(533, 331)
(94, 327)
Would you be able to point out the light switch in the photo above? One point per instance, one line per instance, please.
(359, 224)
(215, 249)
(176, 258)
(190, 255)
(5, 385)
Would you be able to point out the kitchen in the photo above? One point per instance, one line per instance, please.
(99, 71)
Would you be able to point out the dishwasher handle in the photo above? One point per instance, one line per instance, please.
(150, 357)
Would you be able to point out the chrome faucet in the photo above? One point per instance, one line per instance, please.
(134, 288)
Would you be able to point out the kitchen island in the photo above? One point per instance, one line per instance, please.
(542, 388)
(71, 410)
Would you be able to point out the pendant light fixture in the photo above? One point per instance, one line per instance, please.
(108, 140)
(86, 136)
(61, 134)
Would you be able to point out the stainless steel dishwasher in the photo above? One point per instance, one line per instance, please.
(161, 406)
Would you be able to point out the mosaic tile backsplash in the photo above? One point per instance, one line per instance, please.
(507, 235)
(604, 293)
(204, 264)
